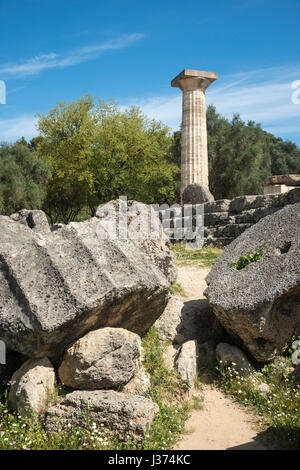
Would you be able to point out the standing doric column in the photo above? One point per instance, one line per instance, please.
(194, 161)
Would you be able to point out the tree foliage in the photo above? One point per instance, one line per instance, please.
(23, 179)
(241, 156)
(98, 152)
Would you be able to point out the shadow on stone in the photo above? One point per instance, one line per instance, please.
(198, 322)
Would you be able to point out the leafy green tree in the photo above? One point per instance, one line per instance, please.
(67, 145)
(23, 179)
(98, 152)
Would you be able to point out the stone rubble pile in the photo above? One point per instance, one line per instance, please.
(73, 302)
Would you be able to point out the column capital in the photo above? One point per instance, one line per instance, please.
(193, 79)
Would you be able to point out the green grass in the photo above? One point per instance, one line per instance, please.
(177, 289)
(279, 410)
(167, 390)
(204, 257)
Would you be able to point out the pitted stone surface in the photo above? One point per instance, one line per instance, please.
(32, 387)
(57, 286)
(260, 304)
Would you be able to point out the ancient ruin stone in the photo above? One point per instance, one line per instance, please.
(104, 358)
(123, 414)
(194, 159)
(196, 194)
(221, 205)
(186, 362)
(283, 179)
(32, 387)
(207, 354)
(260, 304)
(185, 321)
(140, 223)
(57, 286)
(36, 220)
(297, 375)
(138, 385)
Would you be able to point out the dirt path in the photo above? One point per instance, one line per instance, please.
(221, 424)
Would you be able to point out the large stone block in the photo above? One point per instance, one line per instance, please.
(231, 356)
(57, 286)
(221, 205)
(128, 416)
(260, 304)
(105, 358)
(196, 194)
(32, 387)
(241, 203)
(292, 197)
(185, 321)
(283, 179)
(263, 201)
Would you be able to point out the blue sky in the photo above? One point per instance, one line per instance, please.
(129, 50)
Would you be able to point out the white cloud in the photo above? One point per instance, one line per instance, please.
(14, 129)
(264, 96)
(42, 62)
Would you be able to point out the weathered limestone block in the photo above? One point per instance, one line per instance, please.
(216, 218)
(241, 203)
(283, 179)
(122, 414)
(140, 223)
(229, 355)
(297, 375)
(207, 354)
(57, 286)
(196, 194)
(13, 362)
(263, 212)
(32, 386)
(186, 362)
(233, 230)
(36, 220)
(221, 205)
(104, 358)
(260, 304)
(246, 217)
(264, 201)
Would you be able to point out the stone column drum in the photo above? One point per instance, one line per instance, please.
(194, 160)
